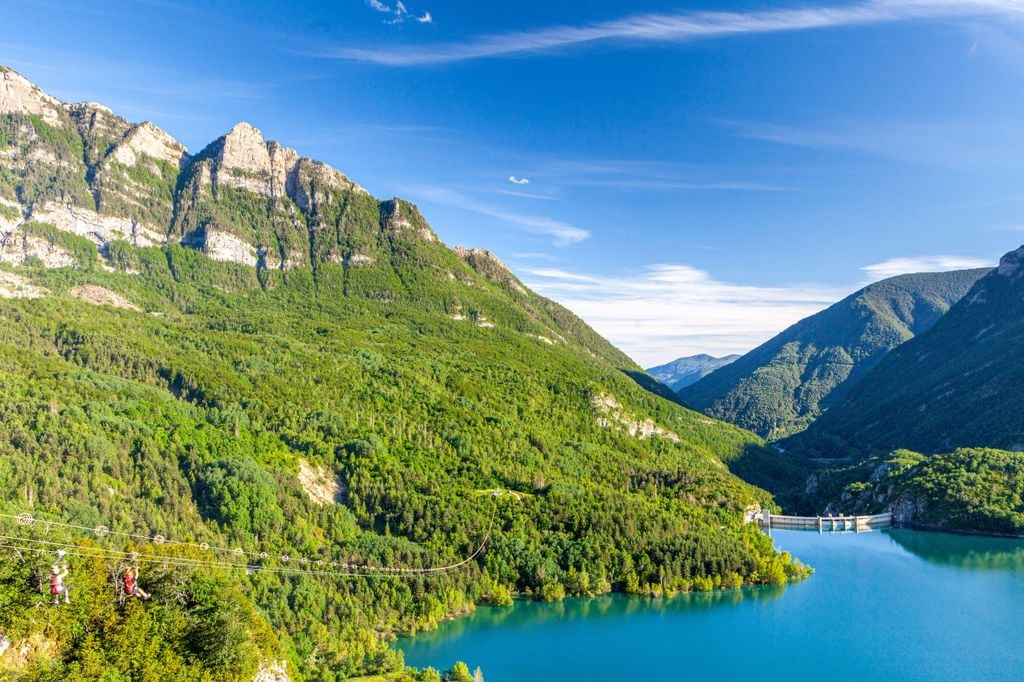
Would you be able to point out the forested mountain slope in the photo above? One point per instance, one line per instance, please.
(243, 347)
(975, 490)
(682, 372)
(959, 385)
(781, 387)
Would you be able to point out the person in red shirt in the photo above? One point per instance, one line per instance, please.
(57, 586)
(131, 584)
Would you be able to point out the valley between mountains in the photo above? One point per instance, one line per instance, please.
(902, 397)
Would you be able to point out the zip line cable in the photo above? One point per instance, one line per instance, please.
(26, 519)
(101, 554)
(348, 569)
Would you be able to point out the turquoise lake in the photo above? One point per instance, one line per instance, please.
(892, 605)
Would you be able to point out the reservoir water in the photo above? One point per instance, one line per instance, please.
(894, 605)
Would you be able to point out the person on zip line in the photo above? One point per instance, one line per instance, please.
(57, 586)
(131, 584)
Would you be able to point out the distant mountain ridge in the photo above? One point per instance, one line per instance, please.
(781, 387)
(684, 371)
(958, 385)
(242, 199)
(80, 186)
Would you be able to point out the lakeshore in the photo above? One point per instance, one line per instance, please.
(897, 604)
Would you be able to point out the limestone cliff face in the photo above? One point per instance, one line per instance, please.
(242, 199)
(100, 229)
(401, 218)
(225, 246)
(243, 159)
(96, 122)
(43, 154)
(20, 96)
(83, 169)
(490, 266)
(146, 140)
(19, 247)
(1010, 264)
(251, 201)
(284, 163)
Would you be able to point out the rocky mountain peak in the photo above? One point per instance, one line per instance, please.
(401, 217)
(1010, 264)
(489, 265)
(245, 149)
(481, 256)
(92, 110)
(147, 139)
(94, 106)
(242, 199)
(18, 95)
(96, 121)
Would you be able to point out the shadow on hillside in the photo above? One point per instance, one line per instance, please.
(781, 474)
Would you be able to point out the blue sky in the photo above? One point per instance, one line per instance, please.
(700, 174)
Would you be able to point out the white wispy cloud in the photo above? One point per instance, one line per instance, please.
(680, 27)
(399, 13)
(915, 264)
(943, 144)
(562, 233)
(668, 310)
(518, 181)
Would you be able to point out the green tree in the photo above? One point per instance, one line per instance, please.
(458, 673)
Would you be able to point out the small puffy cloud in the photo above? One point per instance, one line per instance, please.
(915, 264)
(425, 18)
(378, 5)
(518, 181)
